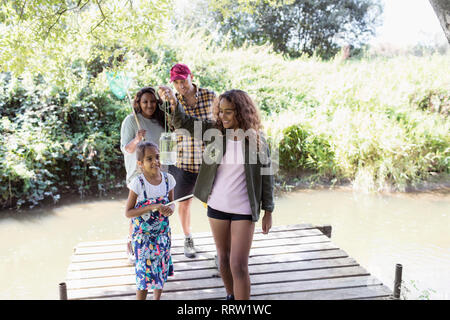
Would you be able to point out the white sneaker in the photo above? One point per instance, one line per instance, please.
(189, 249)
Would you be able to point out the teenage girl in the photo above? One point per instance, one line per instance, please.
(149, 193)
(234, 187)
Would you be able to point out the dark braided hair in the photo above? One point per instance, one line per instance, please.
(140, 149)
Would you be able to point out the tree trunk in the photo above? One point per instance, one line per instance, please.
(442, 9)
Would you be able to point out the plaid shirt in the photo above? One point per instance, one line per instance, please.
(190, 150)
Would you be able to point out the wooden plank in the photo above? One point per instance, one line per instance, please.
(209, 252)
(389, 297)
(291, 262)
(303, 236)
(269, 291)
(201, 235)
(262, 244)
(369, 292)
(202, 264)
(212, 271)
(89, 265)
(211, 246)
(108, 293)
(122, 284)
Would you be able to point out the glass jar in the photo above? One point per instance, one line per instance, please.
(168, 148)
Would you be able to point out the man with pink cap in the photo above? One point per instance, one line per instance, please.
(196, 102)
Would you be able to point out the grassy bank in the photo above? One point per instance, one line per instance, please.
(380, 124)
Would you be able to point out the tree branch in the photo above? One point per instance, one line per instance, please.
(103, 15)
(21, 10)
(59, 13)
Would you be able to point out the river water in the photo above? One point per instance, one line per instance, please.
(379, 231)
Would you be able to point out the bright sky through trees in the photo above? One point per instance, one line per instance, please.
(407, 22)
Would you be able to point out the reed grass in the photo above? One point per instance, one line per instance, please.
(384, 120)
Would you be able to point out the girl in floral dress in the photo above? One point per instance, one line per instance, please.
(146, 206)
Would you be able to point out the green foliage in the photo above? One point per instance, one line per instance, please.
(417, 294)
(51, 145)
(300, 149)
(36, 33)
(63, 136)
(298, 27)
(432, 100)
(367, 111)
(372, 121)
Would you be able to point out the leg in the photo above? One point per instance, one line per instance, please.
(141, 294)
(221, 233)
(157, 294)
(130, 252)
(184, 212)
(241, 242)
(185, 186)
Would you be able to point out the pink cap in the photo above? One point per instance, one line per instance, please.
(179, 71)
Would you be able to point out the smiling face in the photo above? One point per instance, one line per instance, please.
(227, 114)
(147, 104)
(150, 164)
(183, 86)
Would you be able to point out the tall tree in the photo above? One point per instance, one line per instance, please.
(300, 26)
(442, 10)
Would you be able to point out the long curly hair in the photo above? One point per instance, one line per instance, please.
(158, 114)
(246, 113)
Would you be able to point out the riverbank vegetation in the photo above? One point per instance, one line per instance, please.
(379, 123)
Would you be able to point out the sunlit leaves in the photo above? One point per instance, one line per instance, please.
(45, 35)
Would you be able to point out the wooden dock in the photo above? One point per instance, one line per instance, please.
(295, 262)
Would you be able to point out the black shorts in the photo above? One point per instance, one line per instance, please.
(216, 214)
(185, 181)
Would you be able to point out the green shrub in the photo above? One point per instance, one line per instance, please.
(300, 149)
(379, 123)
(432, 100)
(51, 146)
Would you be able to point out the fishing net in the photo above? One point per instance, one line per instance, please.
(119, 84)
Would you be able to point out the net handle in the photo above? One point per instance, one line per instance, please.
(134, 112)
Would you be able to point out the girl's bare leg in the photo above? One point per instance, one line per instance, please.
(157, 294)
(141, 294)
(130, 232)
(221, 233)
(241, 242)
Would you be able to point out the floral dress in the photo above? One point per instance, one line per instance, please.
(151, 244)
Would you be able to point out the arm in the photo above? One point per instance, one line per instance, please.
(131, 146)
(267, 191)
(179, 118)
(131, 212)
(168, 210)
(130, 136)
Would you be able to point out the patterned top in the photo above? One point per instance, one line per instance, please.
(190, 150)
